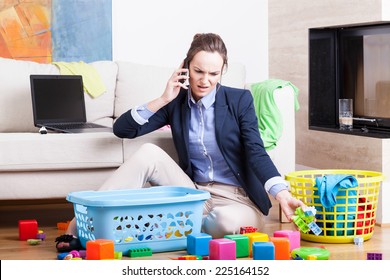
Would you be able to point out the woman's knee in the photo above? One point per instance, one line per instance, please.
(228, 220)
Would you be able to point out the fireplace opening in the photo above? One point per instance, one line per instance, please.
(350, 61)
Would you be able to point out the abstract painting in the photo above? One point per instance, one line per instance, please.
(56, 30)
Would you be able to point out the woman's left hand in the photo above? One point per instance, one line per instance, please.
(288, 203)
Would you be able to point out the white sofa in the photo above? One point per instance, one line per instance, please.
(48, 166)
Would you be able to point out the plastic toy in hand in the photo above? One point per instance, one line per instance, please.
(305, 220)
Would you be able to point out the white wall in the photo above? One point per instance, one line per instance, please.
(385, 9)
(160, 32)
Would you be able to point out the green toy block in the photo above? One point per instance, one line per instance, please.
(242, 244)
(141, 252)
(118, 255)
(301, 224)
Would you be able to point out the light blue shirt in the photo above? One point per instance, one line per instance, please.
(206, 158)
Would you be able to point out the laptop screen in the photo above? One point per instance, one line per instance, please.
(57, 99)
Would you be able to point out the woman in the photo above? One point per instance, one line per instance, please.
(215, 133)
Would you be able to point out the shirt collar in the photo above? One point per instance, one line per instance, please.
(207, 101)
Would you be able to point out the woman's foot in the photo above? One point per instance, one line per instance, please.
(67, 243)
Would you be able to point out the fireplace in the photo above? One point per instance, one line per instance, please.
(350, 61)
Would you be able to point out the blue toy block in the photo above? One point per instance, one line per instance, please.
(263, 250)
(358, 240)
(315, 228)
(198, 244)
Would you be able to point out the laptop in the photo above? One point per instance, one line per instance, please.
(58, 104)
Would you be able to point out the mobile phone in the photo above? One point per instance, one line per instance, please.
(185, 81)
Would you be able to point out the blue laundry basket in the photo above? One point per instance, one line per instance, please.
(159, 218)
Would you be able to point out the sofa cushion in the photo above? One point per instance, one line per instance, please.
(101, 109)
(15, 94)
(138, 84)
(59, 151)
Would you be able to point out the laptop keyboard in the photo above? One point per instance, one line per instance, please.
(75, 125)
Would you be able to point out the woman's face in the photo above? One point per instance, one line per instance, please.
(205, 72)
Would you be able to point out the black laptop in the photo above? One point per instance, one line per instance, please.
(59, 105)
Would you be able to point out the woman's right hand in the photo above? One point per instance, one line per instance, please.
(175, 82)
(172, 89)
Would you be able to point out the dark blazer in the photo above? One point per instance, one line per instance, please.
(237, 136)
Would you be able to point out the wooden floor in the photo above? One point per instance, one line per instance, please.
(47, 216)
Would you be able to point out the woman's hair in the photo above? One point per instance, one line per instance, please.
(208, 42)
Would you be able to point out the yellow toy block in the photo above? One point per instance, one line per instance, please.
(256, 237)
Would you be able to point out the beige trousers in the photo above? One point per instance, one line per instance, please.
(225, 212)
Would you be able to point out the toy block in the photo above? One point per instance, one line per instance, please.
(358, 240)
(34, 241)
(374, 256)
(247, 229)
(256, 237)
(198, 244)
(118, 255)
(63, 225)
(100, 249)
(242, 244)
(315, 228)
(140, 252)
(41, 235)
(83, 254)
(293, 236)
(189, 257)
(222, 249)
(28, 229)
(300, 224)
(282, 247)
(263, 250)
(62, 256)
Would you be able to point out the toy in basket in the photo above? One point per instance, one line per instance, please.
(159, 218)
(354, 198)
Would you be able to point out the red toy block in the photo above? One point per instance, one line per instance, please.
(100, 249)
(282, 248)
(28, 229)
(222, 249)
(247, 229)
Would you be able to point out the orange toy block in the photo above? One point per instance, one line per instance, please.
(100, 249)
(63, 225)
(282, 248)
(256, 237)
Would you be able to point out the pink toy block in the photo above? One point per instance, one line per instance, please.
(28, 229)
(198, 244)
(222, 249)
(293, 236)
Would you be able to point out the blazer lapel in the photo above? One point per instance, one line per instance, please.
(185, 122)
(221, 108)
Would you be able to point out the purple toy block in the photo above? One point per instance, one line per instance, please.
(198, 244)
(293, 236)
(374, 256)
(222, 249)
(263, 250)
